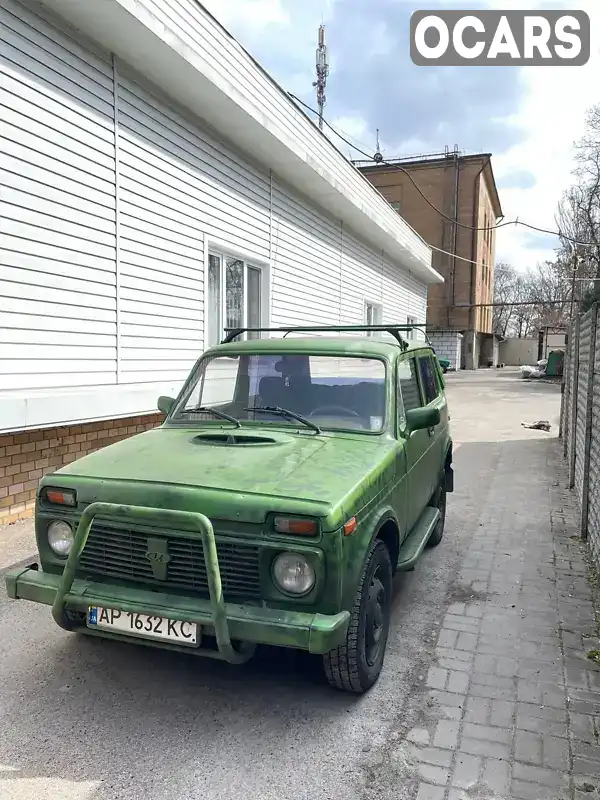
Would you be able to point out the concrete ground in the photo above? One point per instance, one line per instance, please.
(486, 693)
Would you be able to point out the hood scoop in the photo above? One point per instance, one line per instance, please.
(233, 439)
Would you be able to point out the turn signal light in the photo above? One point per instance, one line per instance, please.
(303, 527)
(350, 526)
(60, 497)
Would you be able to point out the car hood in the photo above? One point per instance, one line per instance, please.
(323, 469)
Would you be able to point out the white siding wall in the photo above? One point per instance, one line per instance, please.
(109, 209)
(363, 279)
(57, 206)
(306, 262)
(402, 296)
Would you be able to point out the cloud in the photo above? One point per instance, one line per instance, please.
(251, 15)
(553, 116)
(528, 118)
(517, 179)
(538, 241)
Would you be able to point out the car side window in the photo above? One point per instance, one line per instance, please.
(408, 385)
(429, 378)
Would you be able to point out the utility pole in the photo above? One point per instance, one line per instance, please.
(577, 261)
(322, 73)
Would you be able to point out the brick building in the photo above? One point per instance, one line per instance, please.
(464, 189)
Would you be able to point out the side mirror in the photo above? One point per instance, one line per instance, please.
(418, 419)
(165, 404)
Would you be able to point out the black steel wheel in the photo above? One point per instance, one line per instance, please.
(439, 502)
(356, 664)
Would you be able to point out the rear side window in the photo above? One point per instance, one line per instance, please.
(408, 384)
(429, 377)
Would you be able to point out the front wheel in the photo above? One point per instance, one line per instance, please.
(356, 664)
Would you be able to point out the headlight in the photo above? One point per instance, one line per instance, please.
(293, 573)
(60, 537)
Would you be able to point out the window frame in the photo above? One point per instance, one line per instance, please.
(401, 423)
(411, 321)
(223, 252)
(377, 306)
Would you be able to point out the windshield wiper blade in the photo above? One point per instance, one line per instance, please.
(217, 413)
(285, 413)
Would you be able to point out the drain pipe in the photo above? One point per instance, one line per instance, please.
(455, 233)
(473, 277)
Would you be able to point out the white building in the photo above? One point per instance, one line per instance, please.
(156, 186)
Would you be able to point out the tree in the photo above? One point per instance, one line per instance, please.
(504, 281)
(578, 214)
(549, 287)
(531, 299)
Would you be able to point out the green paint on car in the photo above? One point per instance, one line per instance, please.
(290, 479)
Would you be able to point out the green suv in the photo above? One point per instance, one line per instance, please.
(291, 478)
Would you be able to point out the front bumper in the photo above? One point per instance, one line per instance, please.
(317, 633)
(226, 622)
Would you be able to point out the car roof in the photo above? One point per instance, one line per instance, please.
(351, 345)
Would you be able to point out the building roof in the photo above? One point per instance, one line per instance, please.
(194, 60)
(434, 160)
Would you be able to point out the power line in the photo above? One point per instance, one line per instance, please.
(496, 268)
(345, 137)
(521, 303)
(458, 258)
(433, 206)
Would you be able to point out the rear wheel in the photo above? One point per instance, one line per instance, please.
(438, 501)
(356, 664)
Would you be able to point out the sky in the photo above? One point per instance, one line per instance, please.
(527, 117)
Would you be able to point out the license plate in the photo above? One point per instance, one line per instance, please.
(144, 625)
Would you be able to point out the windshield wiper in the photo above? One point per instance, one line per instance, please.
(221, 414)
(285, 413)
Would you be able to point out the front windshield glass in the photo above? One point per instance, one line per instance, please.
(331, 391)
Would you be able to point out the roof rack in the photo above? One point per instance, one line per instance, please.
(393, 330)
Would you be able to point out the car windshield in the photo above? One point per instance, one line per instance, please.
(329, 391)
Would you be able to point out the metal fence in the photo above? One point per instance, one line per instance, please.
(580, 422)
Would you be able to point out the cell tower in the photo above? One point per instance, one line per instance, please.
(322, 73)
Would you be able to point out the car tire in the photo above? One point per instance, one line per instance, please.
(356, 664)
(438, 501)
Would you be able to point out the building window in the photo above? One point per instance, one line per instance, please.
(411, 321)
(233, 296)
(373, 315)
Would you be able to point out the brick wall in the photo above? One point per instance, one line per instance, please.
(436, 180)
(447, 344)
(26, 456)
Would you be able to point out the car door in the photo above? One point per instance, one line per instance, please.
(433, 396)
(416, 444)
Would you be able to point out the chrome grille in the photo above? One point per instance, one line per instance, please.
(121, 553)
